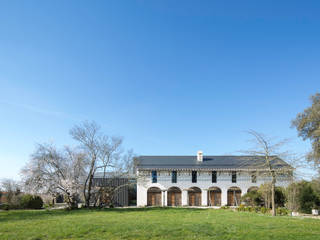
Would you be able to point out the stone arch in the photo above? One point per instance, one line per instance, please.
(234, 196)
(154, 196)
(174, 196)
(194, 196)
(253, 188)
(214, 196)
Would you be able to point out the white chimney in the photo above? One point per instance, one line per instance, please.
(199, 156)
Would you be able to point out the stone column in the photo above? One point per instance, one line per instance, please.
(141, 196)
(224, 197)
(184, 200)
(166, 198)
(204, 197)
(163, 198)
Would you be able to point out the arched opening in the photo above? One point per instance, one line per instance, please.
(214, 196)
(234, 196)
(154, 196)
(194, 196)
(174, 196)
(252, 189)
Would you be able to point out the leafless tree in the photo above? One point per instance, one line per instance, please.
(11, 189)
(268, 161)
(104, 154)
(54, 172)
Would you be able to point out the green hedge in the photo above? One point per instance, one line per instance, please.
(31, 202)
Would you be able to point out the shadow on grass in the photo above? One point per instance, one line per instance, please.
(18, 215)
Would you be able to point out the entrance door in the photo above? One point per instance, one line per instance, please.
(215, 198)
(234, 197)
(154, 197)
(174, 196)
(194, 195)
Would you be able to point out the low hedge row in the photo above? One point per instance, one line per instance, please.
(26, 201)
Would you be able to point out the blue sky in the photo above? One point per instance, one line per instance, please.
(171, 77)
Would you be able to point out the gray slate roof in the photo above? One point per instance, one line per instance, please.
(209, 162)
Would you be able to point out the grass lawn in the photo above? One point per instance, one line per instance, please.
(153, 223)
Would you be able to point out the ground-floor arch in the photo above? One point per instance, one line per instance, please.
(194, 196)
(154, 196)
(234, 196)
(251, 189)
(214, 196)
(174, 196)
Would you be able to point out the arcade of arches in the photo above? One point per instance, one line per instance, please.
(194, 196)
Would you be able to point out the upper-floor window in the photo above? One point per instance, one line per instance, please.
(194, 176)
(214, 176)
(234, 176)
(174, 177)
(154, 176)
(253, 178)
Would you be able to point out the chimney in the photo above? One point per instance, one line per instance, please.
(199, 156)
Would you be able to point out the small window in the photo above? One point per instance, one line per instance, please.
(214, 176)
(154, 177)
(253, 178)
(194, 176)
(234, 177)
(174, 177)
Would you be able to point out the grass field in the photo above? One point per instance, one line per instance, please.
(153, 223)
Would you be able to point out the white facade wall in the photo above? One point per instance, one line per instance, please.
(204, 182)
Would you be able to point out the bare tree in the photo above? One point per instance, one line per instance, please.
(11, 190)
(104, 154)
(268, 161)
(123, 168)
(54, 172)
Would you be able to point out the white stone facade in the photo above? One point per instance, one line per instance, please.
(204, 182)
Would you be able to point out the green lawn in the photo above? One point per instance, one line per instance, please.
(153, 223)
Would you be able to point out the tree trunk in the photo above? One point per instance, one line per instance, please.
(91, 173)
(89, 191)
(273, 203)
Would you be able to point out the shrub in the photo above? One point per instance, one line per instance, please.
(252, 198)
(257, 209)
(225, 207)
(307, 198)
(282, 211)
(241, 208)
(264, 210)
(4, 206)
(279, 197)
(250, 209)
(31, 202)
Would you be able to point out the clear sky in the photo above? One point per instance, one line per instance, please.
(171, 77)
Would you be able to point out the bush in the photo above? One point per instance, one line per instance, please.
(307, 198)
(4, 206)
(257, 209)
(264, 210)
(225, 207)
(241, 208)
(282, 211)
(252, 198)
(280, 197)
(31, 202)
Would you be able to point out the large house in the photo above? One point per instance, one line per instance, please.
(203, 180)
